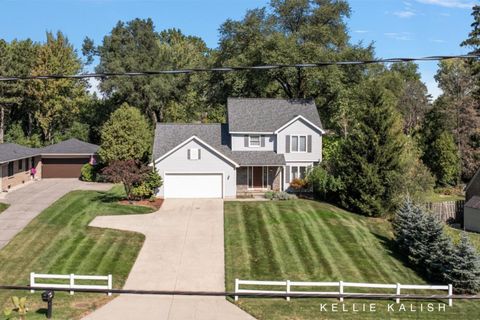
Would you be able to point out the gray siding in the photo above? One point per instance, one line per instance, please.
(239, 142)
(209, 163)
(471, 219)
(299, 127)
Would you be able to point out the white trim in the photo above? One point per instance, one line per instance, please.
(202, 142)
(165, 173)
(250, 132)
(259, 141)
(299, 117)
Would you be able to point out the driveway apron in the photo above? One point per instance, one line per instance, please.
(183, 250)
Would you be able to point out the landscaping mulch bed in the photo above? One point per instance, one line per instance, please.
(156, 204)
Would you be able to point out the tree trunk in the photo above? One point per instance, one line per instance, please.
(2, 122)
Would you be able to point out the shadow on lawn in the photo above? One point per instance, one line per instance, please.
(108, 197)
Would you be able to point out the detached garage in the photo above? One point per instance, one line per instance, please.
(65, 159)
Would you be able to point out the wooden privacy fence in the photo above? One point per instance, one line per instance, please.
(71, 281)
(447, 211)
(339, 284)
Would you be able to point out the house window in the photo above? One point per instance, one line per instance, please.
(299, 144)
(299, 172)
(26, 164)
(194, 154)
(10, 168)
(32, 162)
(20, 165)
(254, 141)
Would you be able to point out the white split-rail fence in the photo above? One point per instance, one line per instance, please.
(339, 284)
(71, 281)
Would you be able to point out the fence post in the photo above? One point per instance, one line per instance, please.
(450, 292)
(110, 284)
(72, 282)
(32, 281)
(340, 285)
(397, 300)
(288, 289)
(236, 289)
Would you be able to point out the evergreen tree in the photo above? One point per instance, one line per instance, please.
(369, 161)
(464, 271)
(445, 159)
(125, 136)
(406, 220)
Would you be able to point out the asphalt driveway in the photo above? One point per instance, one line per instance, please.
(183, 250)
(27, 202)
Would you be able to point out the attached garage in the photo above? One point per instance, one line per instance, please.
(189, 185)
(66, 159)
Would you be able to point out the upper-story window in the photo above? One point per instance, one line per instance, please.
(299, 143)
(193, 154)
(254, 141)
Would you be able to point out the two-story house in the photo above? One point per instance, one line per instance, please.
(264, 145)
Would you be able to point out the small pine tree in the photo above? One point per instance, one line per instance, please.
(439, 249)
(464, 267)
(404, 222)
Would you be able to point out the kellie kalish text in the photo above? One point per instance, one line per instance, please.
(390, 307)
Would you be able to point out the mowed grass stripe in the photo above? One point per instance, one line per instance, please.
(59, 240)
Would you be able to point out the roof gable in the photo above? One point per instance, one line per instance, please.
(301, 119)
(268, 115)
(474, 179)
(201, 142)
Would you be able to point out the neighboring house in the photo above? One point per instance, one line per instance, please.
(61, 160)
(263, 146)
(471, 214)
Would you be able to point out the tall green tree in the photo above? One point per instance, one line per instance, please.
(369, 161)
(57, 102)
(137, 46)
(444, 160)
(126, 135)
(290, 32)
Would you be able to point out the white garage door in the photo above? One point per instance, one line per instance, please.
(208, 185)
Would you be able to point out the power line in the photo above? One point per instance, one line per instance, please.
(233, 69)
(378, 296)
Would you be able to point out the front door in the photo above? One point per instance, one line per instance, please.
(257, 177)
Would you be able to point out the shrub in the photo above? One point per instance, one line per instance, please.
(269, 195)
(141, 192)
(325, 186)
(88, 173)
(147, 188)
(282, 195)
(298, 184)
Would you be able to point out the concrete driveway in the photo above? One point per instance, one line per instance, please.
(27, 202)
(183, 250)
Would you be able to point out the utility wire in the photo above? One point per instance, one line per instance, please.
(256, 294)
(232, 69)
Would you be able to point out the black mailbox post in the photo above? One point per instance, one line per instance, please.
(47, 296)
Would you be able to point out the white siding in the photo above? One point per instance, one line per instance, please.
(238, 143)
(299, 127)
(209, 162)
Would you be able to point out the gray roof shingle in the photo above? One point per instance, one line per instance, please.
(168, 136)
(70, 146)
(474, 202)
(13, 151)
(268, 115)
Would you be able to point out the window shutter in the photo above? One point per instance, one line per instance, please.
(188, 154)
(245, 139)
(287, 174)
(309, 143)
(262, 143)
(199, 154)
(287, 144)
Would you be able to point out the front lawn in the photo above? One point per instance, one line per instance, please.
(308, 240)
(60, 241)
(3, 206)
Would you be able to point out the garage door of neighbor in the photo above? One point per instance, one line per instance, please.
(62, 167)
(207, 185)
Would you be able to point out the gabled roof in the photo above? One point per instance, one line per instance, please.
(268, 115)
(169, 135)
(13, 151)
(473, 180)
(474, 203)
(70, 146)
